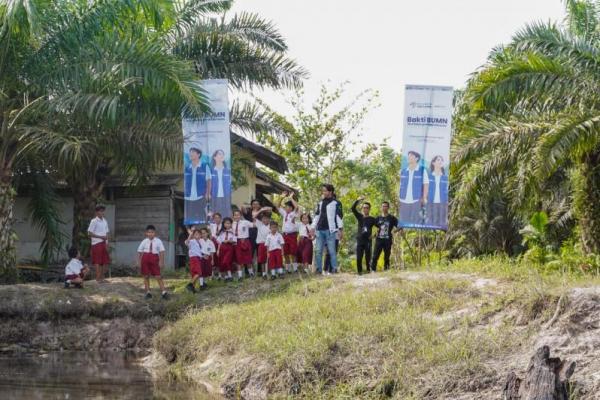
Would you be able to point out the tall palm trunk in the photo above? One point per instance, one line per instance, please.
(8, 252)
(587, 201)
(87, 190)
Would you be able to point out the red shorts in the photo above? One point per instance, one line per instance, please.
(150, 264)
(74, 276)
(261, 253)
(305, 251)
(275, 259)
(243, 252)
(99, 253)
(195, 267)
(226, 254)
(290, 246)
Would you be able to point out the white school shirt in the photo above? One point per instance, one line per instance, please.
(436, 195)
(74, 267)
(194, 187)
(274, 242)
(220, 191)
(409, 194)
(156, 248)
(228, 236)
(303, 230)
(289, 220)
(98, 227)
(201, 248)
(241, 228)
(214, 229)
(262, 232)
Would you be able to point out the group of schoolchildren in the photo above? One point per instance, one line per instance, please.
(227, 246)
(216, 250)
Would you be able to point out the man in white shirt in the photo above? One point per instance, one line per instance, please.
(414, 188)
(98, 232)
(151, 258)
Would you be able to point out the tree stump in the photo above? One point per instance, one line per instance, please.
(546, 379)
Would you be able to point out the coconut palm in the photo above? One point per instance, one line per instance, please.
(533, 117)
(67, 61)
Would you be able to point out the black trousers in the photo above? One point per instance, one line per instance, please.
(385, 246)
(363, 249)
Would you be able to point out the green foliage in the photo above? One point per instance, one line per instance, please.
(527, 120)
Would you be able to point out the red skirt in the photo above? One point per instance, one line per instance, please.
(275, 259)
(305, 250)
(261, 254)
(99, 253)
(150, 264)
(226, 254)
(195, 267)
(243, 252)
(290, 247)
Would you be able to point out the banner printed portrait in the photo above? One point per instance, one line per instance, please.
(207, 158)
(425, 157)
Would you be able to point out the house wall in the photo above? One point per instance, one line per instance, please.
(244, 194)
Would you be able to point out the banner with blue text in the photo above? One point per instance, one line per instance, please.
(425, 157)
(207, 158)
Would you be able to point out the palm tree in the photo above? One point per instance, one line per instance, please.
(66, 62)
(534, 117)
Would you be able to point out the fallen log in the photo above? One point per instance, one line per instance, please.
(546, 379)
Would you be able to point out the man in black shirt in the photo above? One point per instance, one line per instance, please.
(386, 225)
(363, 234)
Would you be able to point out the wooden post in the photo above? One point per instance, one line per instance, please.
(546, 379)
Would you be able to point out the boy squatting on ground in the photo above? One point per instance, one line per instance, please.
(75, 270)
(151, 257)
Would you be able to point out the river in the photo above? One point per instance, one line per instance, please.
(83, 375)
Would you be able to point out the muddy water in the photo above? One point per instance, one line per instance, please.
(79, 375)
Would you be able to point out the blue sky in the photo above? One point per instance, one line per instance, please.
(385, 44)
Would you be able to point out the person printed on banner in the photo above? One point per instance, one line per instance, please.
(263, 229)
(305, 244)
(289, 212)
(386, 225)
(243, 248)
(327, 227)
(197, 182)
(363, 234)
(75, 270)
(201, 253)
(414, 190)
(437, 205)
(226, 251)
(221, 184)
(274, 244)
(215, 226)
(151, 258)
(98, 232)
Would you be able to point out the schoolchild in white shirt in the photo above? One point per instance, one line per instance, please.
(201, 251)
(274, 243)
(215, 227)
(151, 257)
(305, 245)
(289, 213)
(263, 230)
(75, 270)
(98, 232)
(243, 248)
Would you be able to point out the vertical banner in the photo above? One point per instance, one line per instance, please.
(425, 157)
(207, 158)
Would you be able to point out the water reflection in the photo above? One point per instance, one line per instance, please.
(79, 375)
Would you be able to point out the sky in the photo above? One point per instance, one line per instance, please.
(385, 44)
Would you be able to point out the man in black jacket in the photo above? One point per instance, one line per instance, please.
(363, 234)
(386, 225)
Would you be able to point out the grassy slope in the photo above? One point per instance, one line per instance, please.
(404, 335)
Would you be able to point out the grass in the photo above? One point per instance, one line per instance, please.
(329, 338)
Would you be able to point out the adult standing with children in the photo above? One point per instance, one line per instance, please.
(363, 234)
(327, 227)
